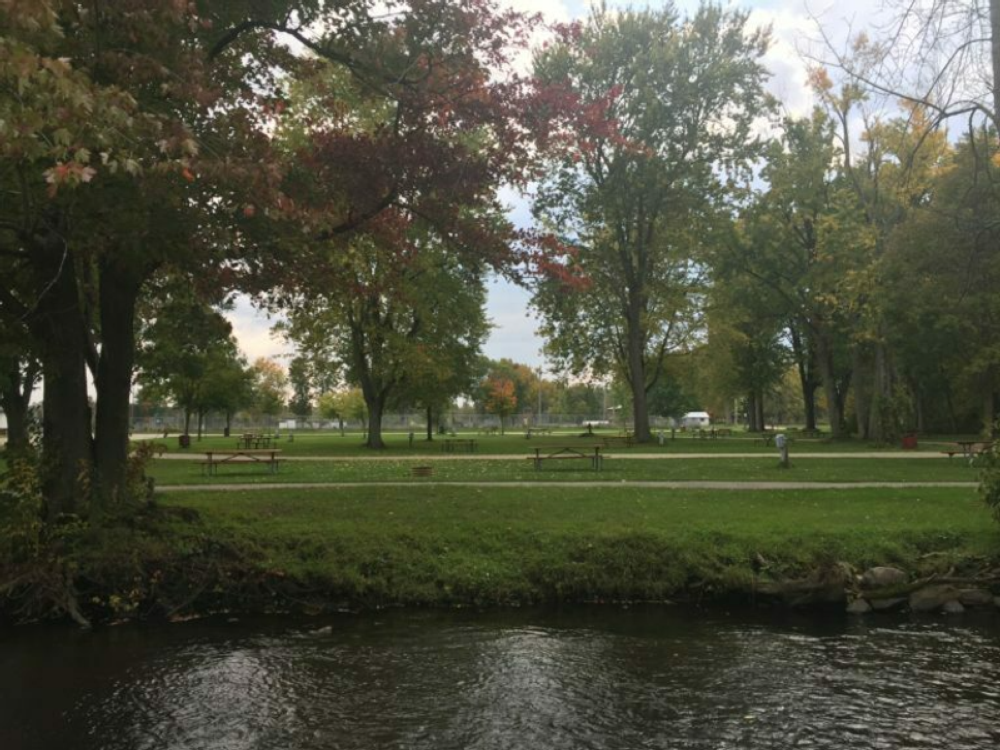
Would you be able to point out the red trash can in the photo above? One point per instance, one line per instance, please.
(910, 441)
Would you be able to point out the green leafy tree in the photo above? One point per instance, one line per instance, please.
(184, 343)
(409, 328)
(501, 399)
(342, 405)
(228, 385)
(659, 110)
(798, 242)
(300, 380)
(270, 385)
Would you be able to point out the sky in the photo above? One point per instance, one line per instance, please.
(795, 33)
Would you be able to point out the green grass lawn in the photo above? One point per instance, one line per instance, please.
(616, 469)
(493, 545)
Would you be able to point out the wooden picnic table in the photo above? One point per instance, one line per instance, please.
(970, 448)
(214, 459)
(559, 452)
(253, 440)
(459, 445)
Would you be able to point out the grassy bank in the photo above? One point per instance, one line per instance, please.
(449, 545)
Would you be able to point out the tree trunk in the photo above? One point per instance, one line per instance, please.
(58, 326)
(989, 411)
(15, 400)
(834, 405)
(863, 379)
(752, 425)
(995, 59)
(376, 408)
(430, 426)
(113, 381)
(805, 362)
(636, 371)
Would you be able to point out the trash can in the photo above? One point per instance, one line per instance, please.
(184, 441)
(910, 441)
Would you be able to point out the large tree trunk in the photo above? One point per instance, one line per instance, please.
(430, 424)
(376, 408)
(113, 381)
(636, 371)
(58, 326)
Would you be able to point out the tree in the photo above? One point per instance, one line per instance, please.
(657, 129)
(343, 405)
(269, 387)
(943, 57)
(946, 269)
(141, 137)
(409, 329)
(501, 399)
(186, 346)
(228, 385)
(799, 241)
(301, 382)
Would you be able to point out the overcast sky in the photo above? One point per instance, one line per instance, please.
(795, 31)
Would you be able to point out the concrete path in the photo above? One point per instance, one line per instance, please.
(693, 485)
(196, 455)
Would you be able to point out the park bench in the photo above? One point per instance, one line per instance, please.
(568, 452)
(214, 459)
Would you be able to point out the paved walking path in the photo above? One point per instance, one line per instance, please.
(698, 485)
(196, 455)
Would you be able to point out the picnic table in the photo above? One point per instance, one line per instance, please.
(214, 459)
(459, 445)
(559, 452)
(969, 448)
(254, 440)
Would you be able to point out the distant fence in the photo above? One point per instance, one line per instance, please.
(172, 420)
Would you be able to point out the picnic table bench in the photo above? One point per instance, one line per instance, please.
(969, 448)
(267, 457)
(560, 452)
(459, 445)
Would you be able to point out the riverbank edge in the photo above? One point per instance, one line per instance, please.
(168, 566)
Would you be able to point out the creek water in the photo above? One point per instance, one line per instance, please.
(578, 678)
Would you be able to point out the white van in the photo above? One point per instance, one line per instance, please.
(694, 420)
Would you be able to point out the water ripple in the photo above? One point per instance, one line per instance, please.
(606, 681)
